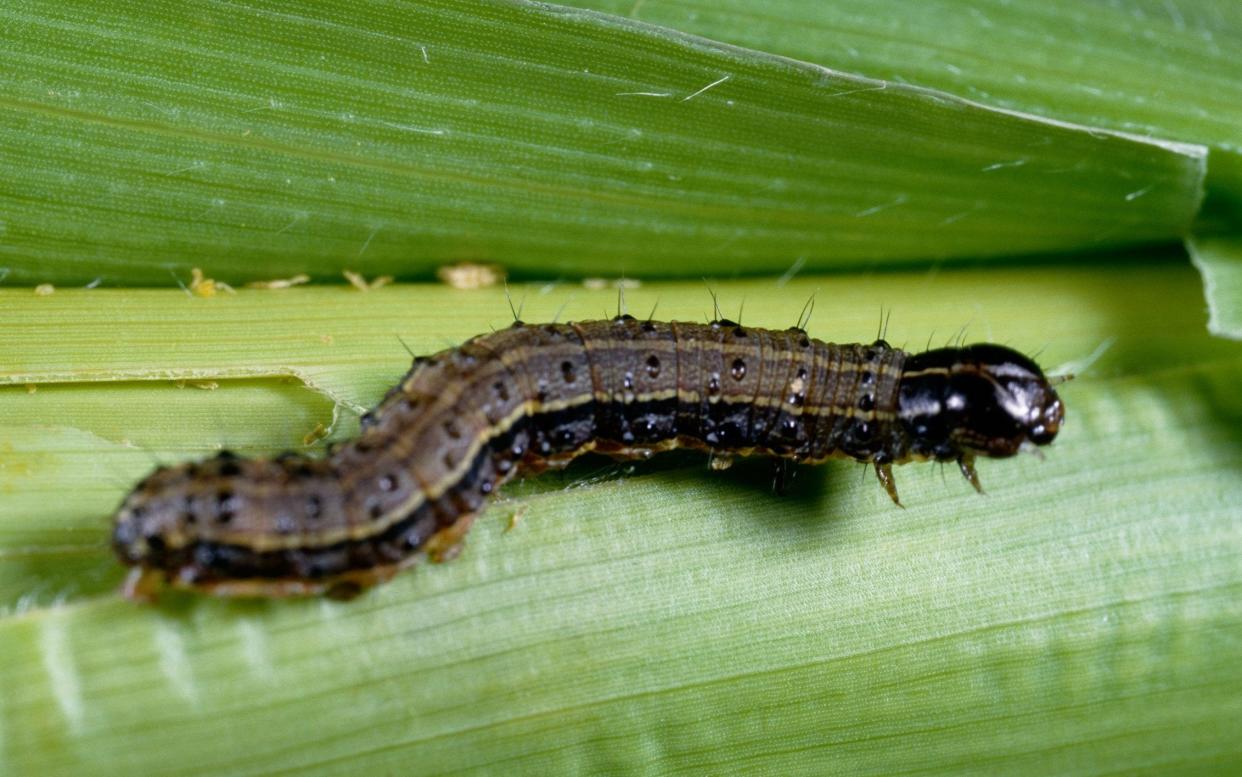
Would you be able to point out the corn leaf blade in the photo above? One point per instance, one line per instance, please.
(266, 139)
(1083, 616)
(1219, 259)
(1149, 67)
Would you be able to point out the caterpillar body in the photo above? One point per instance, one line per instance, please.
(529, 397)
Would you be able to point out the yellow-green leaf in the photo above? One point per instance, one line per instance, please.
(1083, 616)
(1219, 259)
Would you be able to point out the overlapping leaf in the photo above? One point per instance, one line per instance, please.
(265, 139)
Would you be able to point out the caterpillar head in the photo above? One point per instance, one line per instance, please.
(982, 399)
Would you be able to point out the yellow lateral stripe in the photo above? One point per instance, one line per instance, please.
(532, 408)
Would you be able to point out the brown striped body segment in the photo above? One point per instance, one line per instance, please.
(464, 421)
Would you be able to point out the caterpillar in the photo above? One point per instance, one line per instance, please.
(529, 397)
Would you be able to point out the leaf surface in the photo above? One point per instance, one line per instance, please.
(1081, 617)
(264, 139)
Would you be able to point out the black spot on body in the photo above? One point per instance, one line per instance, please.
(226, 506)
(858, 439)
(730, 434)
(205, 555)
(653, 366)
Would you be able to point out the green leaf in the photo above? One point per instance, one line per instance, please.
(1219, 260)
(265, 139)
(1083, 616)
(1149, 67)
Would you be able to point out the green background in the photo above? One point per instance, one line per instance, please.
(1058, 176)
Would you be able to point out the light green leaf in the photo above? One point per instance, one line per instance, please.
(1082, 617)
(265, 139)
(1219, 260)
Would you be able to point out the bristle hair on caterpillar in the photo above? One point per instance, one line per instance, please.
(526, 398)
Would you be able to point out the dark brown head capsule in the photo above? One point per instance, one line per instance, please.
(982, 399)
